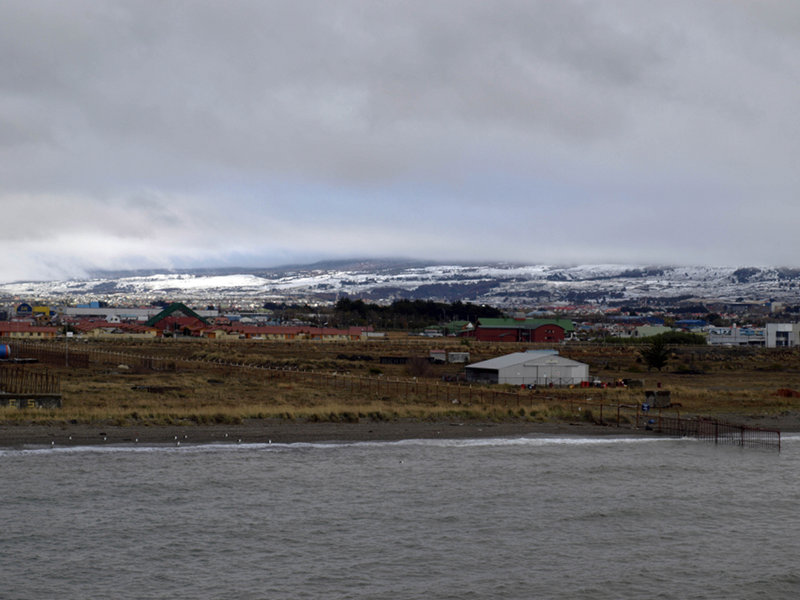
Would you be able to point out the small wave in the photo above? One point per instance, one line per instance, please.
(137, 448)
(537, 441)
(532, 441)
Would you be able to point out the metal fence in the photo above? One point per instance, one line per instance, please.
(719, 432)
(15, 380)
(24, 388)
(66, 355)
(51, 353)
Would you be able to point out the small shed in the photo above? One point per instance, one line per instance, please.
(458, 357)
(438, 356)
(658, 398)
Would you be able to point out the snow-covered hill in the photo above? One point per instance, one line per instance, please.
(497, 284)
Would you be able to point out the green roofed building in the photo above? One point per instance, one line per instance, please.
(522, 330)
(178, 318)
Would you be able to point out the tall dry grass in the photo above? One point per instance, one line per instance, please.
(719, 382)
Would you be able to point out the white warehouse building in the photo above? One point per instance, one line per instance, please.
(535, 367)
(783, 335)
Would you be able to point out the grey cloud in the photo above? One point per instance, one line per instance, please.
(259, 85)
(125, 116)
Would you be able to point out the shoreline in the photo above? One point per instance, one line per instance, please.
(13, 435)
(287, 432)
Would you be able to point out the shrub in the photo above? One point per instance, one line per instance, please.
(656, 354)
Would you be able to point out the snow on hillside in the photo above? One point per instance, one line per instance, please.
(498, 284)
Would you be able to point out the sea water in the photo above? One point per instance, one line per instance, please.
(533, 517)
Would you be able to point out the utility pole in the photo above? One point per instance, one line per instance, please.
(67, 335)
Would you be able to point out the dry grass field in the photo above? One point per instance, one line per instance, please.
(207, 382)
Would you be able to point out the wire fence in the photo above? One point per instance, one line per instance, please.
(719, 432)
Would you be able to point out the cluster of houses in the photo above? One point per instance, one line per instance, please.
(531, 368)
(180, 320)
(770, 335)
(172, 321)
(94, 320)
(540, 367)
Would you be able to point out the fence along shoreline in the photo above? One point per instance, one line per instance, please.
(719, 432)
(622, 415)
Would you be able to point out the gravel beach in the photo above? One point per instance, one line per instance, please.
(287, 432)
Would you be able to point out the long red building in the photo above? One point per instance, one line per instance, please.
(521, 330)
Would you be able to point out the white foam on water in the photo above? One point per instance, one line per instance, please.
(140, 448)
(537, 441)
(187, 448)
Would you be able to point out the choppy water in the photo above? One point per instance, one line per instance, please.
(536, 517)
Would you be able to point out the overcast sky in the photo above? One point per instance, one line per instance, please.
(137, 134)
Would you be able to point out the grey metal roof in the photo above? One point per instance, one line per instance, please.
(501, 361)
(518, 358)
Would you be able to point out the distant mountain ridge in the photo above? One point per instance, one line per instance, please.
(338, 265)
(499, 284)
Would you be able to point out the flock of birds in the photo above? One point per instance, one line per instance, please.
(176, 439)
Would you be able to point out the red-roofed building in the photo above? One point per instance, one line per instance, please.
(102, 328)
(178, 319)
(25, 329)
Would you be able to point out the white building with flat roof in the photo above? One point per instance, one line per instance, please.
(782, 335)
(736, 336)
